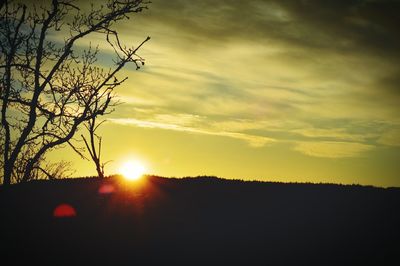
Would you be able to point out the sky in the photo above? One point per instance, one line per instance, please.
(291, 91)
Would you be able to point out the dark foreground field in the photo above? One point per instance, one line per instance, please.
(202, 221)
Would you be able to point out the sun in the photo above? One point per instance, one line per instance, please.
(132, 170)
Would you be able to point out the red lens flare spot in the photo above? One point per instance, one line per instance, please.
(64, 210)
(106, 189)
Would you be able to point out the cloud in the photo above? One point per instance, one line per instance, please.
(339, 25)
(170, 122)
(267, 60)
(334, 134)
(390, 138)
(302, 71)
(331, 149)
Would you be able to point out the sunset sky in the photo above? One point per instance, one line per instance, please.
(293, 91)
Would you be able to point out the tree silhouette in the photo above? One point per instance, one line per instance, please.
(49, 86)
(93, 149)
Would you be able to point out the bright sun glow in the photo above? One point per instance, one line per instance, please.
(132, 170)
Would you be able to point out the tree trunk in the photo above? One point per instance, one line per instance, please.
(7, 174)
(99, 171)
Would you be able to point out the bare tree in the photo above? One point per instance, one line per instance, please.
(49, 86)
(93, 148)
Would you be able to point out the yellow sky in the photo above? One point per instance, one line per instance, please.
(294, 92)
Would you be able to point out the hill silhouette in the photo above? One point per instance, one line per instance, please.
(198, 221)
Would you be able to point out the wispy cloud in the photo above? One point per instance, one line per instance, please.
(318, 138)
(331, 149)
(390, 138)
(166, 122)
(335, 134)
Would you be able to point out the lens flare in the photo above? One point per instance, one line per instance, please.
(63, 211)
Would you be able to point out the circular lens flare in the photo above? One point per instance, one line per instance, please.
(132, 170)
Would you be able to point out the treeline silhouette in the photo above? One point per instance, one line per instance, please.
(199, 221)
